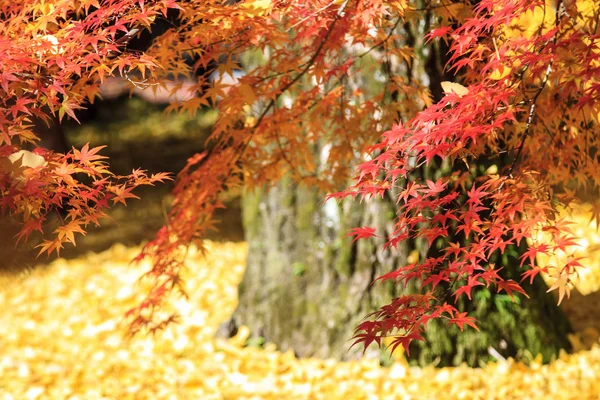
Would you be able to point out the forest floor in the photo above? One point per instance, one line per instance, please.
(62, 337)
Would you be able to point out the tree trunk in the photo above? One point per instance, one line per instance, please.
(307, 285)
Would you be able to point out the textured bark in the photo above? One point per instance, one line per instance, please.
(307, 285)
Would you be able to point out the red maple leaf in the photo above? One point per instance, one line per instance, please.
(362, 233)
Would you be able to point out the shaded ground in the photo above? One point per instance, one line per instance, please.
(137, 135)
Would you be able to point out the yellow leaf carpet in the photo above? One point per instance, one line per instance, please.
(62, 337)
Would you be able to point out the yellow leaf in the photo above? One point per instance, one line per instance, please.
(27, 159)
(499, 73)
(250, 122)
(257, 7)
(492, 170)
(562, 284)
(456, 88)
(47, 8)
(18, 161)
(413, 257)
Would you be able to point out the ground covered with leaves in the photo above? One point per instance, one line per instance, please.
(62, 337)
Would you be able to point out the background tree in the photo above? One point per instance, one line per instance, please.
(58, 53)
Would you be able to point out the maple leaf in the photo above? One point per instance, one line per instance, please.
(86, 155)
(30, 226)
(122, 193)
(68, 107)
(362, 233)
(562, 284)
(6, 78)
(366, 340)
(435, 280)
(161, 177)
(532, 273)
(532, 251)
(466, 289)
(475, 195)
(21, 106)
(49, 246)
(67, 232)
(461, 319)
(454, 88)
(509, 287)
(434, 187)
(564, 241)
(437, 33)
(393, 274)
(405, 341)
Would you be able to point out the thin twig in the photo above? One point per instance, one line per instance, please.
(534, 100)
(271, 103)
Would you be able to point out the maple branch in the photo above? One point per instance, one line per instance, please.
(384, 41)
(287, 86)
(381, 43)
(204, 46)
(430, 7)
(287, 159)
(318, 11)
(242, 149)
(126, 38)
(276, 74)
(525, 134)
(535, 98)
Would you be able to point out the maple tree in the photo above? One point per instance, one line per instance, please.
(54, 56)
(529, 92)
(530, 70)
